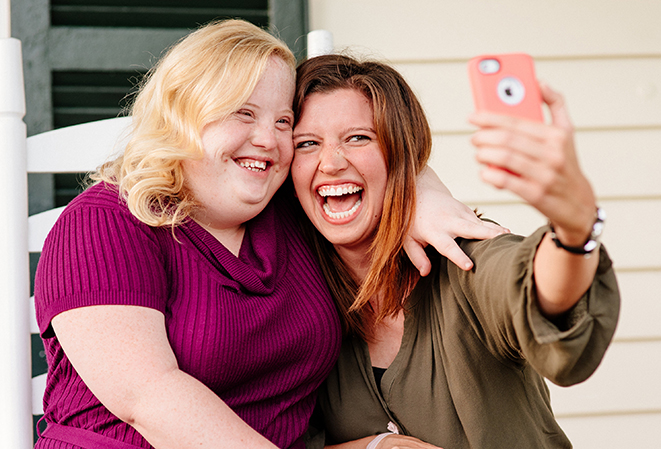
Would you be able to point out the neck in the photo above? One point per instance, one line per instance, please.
(356, 260)
(231, 238)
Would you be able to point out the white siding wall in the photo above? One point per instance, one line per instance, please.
(605, 56)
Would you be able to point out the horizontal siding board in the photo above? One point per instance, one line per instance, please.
(633, 243)
(622, 163)
(640, 311)
(611, 93)
(444, 92)
(639, 431)
(632, 233)
(619, 164)
(519, 218)
(453, 159)
(626, 381)
(431, 30)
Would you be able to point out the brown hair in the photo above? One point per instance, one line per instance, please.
(404, 136)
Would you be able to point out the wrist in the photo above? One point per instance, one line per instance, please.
(588, 245)
(372, 444)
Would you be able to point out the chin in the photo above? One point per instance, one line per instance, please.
(257, 196)
(337, 235)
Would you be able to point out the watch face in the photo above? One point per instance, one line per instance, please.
(598, 226)
(590, 246)
(597, 229)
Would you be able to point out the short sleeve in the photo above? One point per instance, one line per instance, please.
(97, 255)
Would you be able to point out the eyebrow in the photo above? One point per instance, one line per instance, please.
(288, 110)
(296, 136)
(348, 131)
(360, 128)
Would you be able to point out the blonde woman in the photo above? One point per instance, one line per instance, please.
(178, 304)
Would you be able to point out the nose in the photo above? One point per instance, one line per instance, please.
(264, 136)
(331, 159)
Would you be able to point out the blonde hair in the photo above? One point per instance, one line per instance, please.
(204, 78)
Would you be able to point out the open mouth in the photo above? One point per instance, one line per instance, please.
(340, 201)
(252, 164)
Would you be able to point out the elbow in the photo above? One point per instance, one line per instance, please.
(134, 402)
(124, 404)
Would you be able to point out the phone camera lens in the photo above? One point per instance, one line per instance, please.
(488, 66)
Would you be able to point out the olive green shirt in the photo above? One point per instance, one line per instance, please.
(474, 350)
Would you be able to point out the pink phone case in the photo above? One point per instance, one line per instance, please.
(506, 84)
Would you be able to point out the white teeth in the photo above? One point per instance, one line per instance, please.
(326, 191)
(339, 191)
(345, 214)
(257, 166)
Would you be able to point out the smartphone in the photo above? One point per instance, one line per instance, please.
(506, 84)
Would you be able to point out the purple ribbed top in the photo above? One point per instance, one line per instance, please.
(259, 330)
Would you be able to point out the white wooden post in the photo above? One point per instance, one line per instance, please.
(5, 19)
(320, 42)
(15, 361)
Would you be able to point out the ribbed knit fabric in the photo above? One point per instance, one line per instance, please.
(259, 330)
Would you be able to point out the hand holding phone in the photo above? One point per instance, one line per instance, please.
(506, 84)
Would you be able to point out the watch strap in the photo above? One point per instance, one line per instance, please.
(591, 243)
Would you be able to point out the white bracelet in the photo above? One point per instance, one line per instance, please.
(377, 440)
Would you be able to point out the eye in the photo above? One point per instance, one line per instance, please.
(305, 145)
(359, 138)
(285, 122)
(245, 113)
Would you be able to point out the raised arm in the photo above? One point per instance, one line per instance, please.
(538, 162)
(123, 355)
(439, 219)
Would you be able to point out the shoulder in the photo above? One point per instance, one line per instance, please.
(100, 195)
(101, 207)
(97, 253)
(99, 220)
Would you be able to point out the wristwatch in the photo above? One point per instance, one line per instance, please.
(591, 243)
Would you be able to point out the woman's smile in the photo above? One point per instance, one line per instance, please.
(252, 164)
(340, 202)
